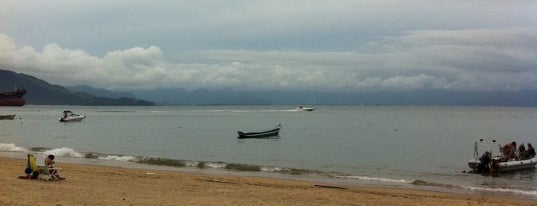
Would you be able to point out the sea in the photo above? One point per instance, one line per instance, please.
(411, 147)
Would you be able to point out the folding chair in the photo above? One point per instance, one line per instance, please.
(49, 173)
(35, 171)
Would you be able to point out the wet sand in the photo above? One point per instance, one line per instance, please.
(102, 185)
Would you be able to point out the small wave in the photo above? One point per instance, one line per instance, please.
(378, 179)
(213, 165)
(96, 155)
(217, 165)
(40, 149)
(294, 171)
(119, 158)
(64, 152)
(506, 190)
(92, 155)
(162, 161)
(193, 164)
(426, 183)
(474, 188)
(243, 167)
(271, 169)
(486, 189)
(10, 147)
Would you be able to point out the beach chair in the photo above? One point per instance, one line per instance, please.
(42, 172)
(49, 173)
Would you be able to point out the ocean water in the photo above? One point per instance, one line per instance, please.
(395, 146)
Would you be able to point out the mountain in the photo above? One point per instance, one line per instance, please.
(42, 93)
(421, 98)
(99, 92)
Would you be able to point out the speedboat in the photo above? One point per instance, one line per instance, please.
(495, 162)
(69, 116)
(302, 108)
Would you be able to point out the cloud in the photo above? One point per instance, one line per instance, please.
(467, 59)
(180, 26)
(478, 59)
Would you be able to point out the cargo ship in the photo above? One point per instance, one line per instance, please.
(13, 98)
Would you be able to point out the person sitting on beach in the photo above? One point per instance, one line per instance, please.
(49, 161)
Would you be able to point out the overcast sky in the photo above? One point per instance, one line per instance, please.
(343, 45)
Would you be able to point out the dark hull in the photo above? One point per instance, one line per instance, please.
(13, 98)
(15, 102)
(9, 117)
(264, 134)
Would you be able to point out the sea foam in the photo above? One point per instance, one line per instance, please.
(119, 158)
(64, 152)
(506, 190)
(10, 147)
(378, 179)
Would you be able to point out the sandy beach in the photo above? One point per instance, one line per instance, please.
(101, 185)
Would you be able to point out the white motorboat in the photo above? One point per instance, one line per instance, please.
(302, 108)
(495, 161)
(69, 116)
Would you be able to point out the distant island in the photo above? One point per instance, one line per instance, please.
(40, 92)
(43, 93)
(166, 96)
(178, 96)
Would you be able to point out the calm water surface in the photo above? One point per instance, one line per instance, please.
(417, 147)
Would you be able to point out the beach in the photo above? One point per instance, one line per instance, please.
(104, 185)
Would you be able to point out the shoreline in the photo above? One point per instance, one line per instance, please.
(108, 185)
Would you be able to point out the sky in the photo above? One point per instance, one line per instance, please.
(312, 45)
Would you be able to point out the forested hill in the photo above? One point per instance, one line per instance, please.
(40, 92)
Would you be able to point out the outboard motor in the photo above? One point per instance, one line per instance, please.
(484, 162)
